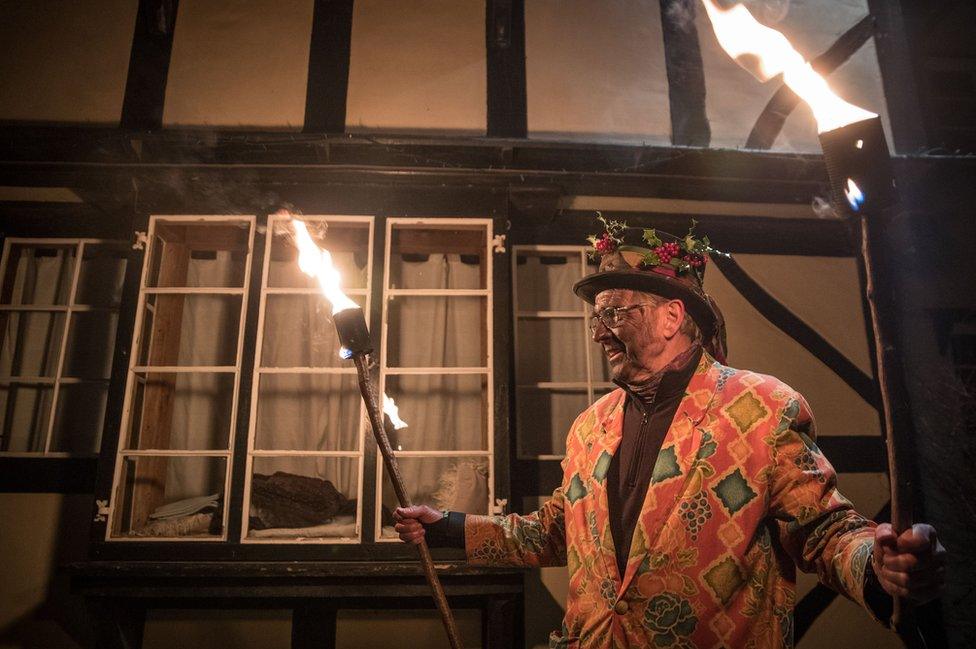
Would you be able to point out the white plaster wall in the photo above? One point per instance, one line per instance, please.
(64, 60)
(418, 66)
(595, 71)
(239, 63)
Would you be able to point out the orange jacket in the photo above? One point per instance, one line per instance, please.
(739, 495)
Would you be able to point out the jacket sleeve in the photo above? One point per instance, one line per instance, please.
(536, 539)
(818, 526)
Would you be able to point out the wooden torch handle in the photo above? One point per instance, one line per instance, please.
(368, 391)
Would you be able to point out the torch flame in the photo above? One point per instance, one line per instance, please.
(741, 35)
(393, 412)
(317, 262)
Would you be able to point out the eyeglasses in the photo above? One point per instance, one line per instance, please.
(610, 316)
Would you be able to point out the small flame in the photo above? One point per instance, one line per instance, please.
(317, 262)
(743, 37)
(393, 412)
(854, 195)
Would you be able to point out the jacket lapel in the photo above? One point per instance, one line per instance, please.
(598, 459)
(673, 465)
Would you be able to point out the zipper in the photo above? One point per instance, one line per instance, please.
(638, 453)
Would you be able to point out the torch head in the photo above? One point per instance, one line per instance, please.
(859, 166)
(353, 333)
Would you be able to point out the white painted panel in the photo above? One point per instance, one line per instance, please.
(65, 61)
(735, 98)
(595, 71)
(239, 63)
(418, 66)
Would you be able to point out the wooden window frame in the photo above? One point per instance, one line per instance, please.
(134, 370)
(582, 314)
(69, 308)
(487, 371)
(260, 370)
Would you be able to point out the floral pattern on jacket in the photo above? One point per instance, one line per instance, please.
(740, 494)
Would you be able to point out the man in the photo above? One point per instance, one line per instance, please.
(690, 494)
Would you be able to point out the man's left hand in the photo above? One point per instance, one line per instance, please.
(910, 565)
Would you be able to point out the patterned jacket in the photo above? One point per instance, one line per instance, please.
(739, 496)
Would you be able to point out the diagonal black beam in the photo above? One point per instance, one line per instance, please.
(328, 67)
(145, 85)
(788, 322)
(505, 42)
(686, 77)
(784, 100)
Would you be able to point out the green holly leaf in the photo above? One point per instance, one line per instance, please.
(650, 236)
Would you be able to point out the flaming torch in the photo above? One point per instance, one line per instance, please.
(350, 323)
(859, 169)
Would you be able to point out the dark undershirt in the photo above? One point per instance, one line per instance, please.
(651, 406)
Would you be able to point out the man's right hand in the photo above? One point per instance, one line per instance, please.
(410, 521)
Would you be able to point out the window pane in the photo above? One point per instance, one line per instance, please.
(544, 280)
(78, 417)
(304, 497)
(308, 412)
(38, 274)
(190, 330)
(177, 497)
(24, 413)
(181, 410)
(446, 412)
(455, 483)
(102, 274)
(31, 342)
(210, 254)
(432, 256)
(544, 418)
(298, 332)
(551, 350)
(347, 242)
(437, 332)
(91, 344)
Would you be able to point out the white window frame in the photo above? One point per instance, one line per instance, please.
(135, 371)
(488, 370)
(260, 370)
(582, 314)
(69, 308)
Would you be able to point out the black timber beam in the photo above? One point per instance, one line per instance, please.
(505, 44)
(686, 76)
(152, 45)
(898, 76)
(328, 66)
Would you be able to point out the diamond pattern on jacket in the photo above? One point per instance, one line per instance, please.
(746, 411)
(576, 489)
(734, 492)
(666, 466)
(724, 578)
(602, 466)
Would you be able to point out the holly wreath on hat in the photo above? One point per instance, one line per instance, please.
(669, 266)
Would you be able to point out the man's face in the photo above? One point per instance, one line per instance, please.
(633, 345)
